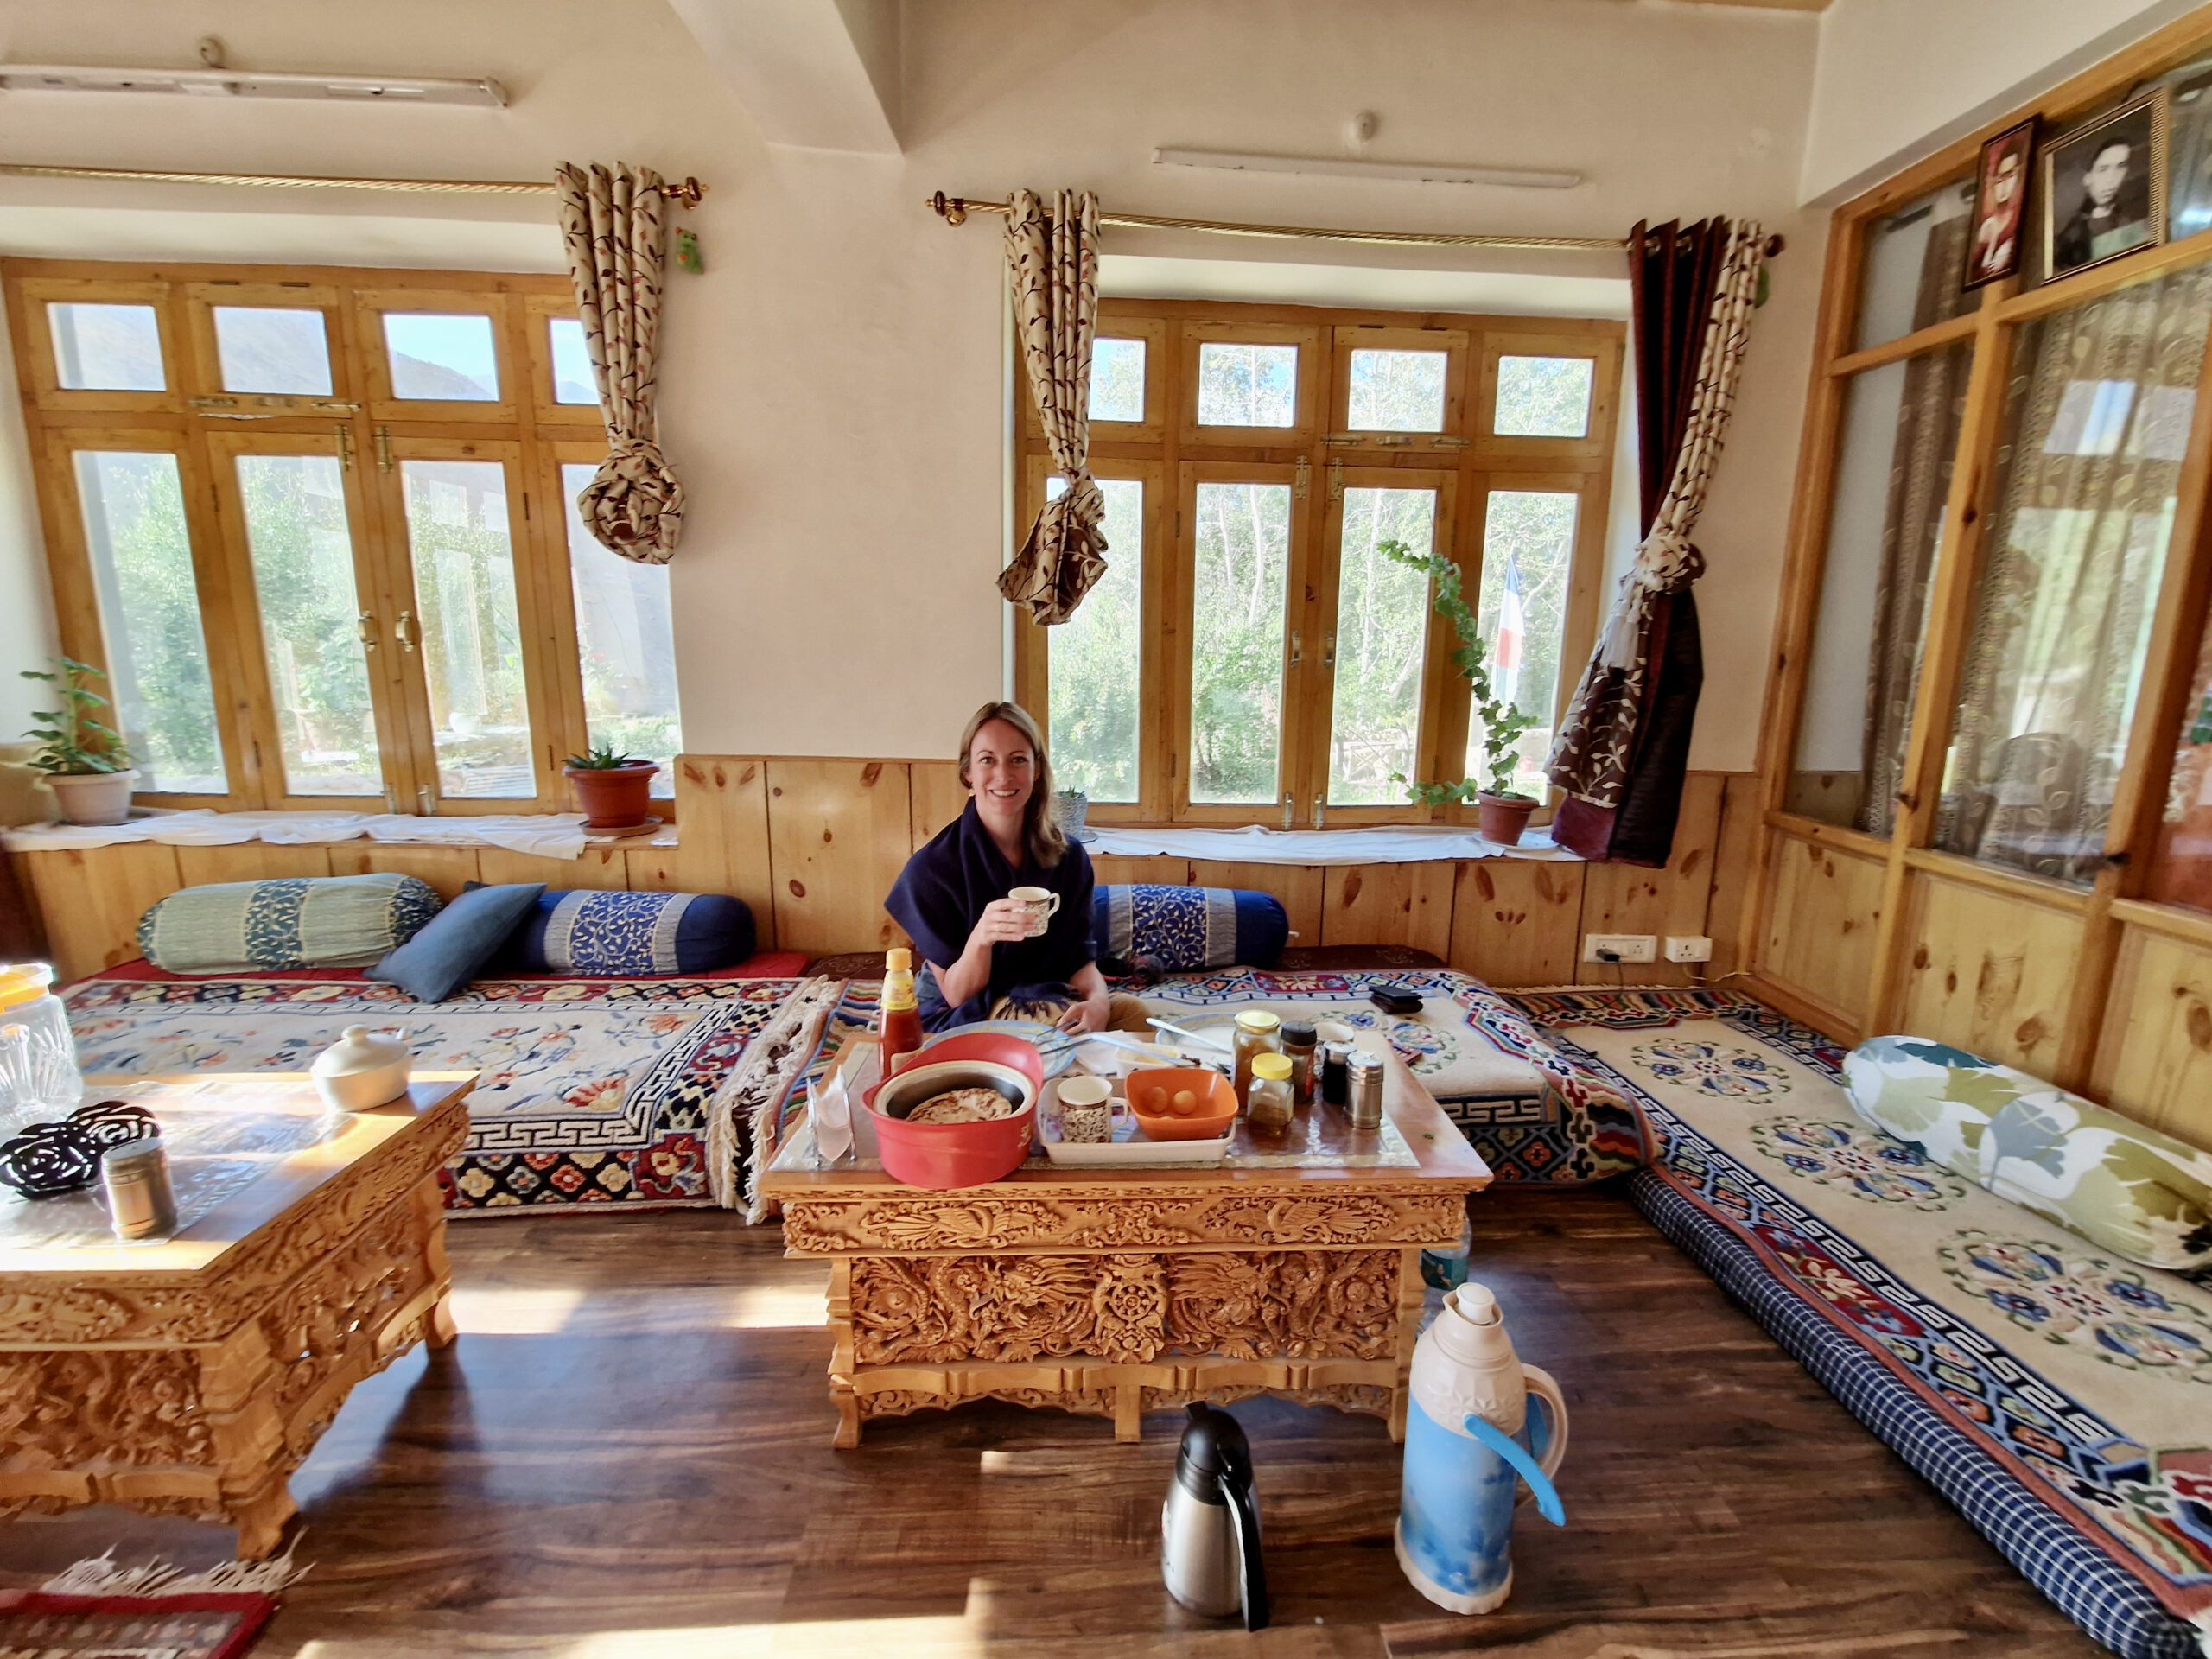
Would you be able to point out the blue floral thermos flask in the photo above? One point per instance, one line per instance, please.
(1465, 1456)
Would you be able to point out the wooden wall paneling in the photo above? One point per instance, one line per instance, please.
(1985, 971)
(596, 867)
(839, 833)
(1389, 904)
(722, 812)
(937, 795)
(2155, 1060)
(91, 898)
(1627, 899)
(1296, 887)
(1818, 937)
(1516, 921)
(447, 869)
(1727, 911)
(1110, 868)
(654, 869)
(251, 860)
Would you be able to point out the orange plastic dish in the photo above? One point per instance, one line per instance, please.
(1215, 1112)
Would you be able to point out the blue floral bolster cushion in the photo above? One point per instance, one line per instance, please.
(2118, 1183)
(1185, 928)
(308, 921)
(597, 934)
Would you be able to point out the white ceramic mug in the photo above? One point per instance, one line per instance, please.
(1039, 905)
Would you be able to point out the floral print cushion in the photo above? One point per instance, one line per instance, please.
(2137, 1193)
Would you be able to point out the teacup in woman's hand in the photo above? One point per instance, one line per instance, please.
(1039, 905)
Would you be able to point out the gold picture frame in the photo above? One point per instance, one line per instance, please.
(2077, 165)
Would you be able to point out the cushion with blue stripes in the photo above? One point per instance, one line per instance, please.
(1185, 928)
(305, 921)
(599, 934)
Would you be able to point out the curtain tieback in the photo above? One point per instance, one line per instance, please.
(633, 504)
(1666, 563)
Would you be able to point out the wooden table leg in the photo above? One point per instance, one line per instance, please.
(261, 1522)
(1128, 1411)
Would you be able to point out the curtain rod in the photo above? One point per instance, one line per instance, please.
(955, 210)
(686, 193)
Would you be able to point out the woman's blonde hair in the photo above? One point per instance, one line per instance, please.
(1040, 827)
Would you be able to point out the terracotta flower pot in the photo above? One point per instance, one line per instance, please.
(1502, 819)
(93, 797)
(613, 798)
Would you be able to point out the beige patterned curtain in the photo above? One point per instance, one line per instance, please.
(1595, 747)
(1052, 261)
(611, 225)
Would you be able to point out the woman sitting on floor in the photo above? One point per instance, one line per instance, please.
(977, 959)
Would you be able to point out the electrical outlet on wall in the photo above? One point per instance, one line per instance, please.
(1620, 947)
(1688, 947)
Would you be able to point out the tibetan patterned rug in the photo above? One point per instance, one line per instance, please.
(639, 1092)
(2060, 1397)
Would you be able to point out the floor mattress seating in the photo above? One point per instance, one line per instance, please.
(2058, 1395)
(640, 1092)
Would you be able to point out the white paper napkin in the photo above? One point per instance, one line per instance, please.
(829, 1111)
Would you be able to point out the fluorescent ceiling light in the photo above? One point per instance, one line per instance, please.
(1413, 172)
(240, 83)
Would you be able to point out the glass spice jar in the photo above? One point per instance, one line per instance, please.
(1257, 1032)
(1271, 1106)
(1332, 1062)
(1298, 1043)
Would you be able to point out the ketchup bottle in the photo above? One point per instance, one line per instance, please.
(899, 1031)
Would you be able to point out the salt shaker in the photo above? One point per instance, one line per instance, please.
(140, 1203)
(1363, 1087)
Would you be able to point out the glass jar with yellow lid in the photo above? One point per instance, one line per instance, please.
(1272, 1104)
(42, 1080)
(1257, 1032)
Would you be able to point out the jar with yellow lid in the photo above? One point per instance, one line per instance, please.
(1272, 1104)
(1257, 1032)
(46, 1084)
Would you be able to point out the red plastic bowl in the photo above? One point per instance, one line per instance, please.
(943, 1156)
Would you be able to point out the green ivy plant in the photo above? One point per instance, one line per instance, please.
(72, 743)
(1501, 723)
(604, 757)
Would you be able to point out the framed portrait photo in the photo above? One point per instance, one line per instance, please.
(2000, 207)
(2104, 188)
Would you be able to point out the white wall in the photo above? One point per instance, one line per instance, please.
(836, 394)
(1897, 79)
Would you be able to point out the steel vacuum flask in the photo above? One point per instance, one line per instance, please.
(1210, 1525)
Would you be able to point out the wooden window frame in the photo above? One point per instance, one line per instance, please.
(1355, 442)
(1553, 340)
(1307, 398)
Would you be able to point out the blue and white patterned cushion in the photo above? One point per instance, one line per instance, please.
(321, 921)
(1185, 928)
(643, 934)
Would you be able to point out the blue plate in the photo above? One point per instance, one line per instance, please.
(1054, 1046)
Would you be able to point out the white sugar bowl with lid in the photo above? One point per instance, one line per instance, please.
(363, 1068)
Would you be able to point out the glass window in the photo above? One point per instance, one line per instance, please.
(1093, 658)
(2189, 152)
(1247, 385)
(2096, 421)
(106, 347)
(271, 351)
(1397, 391)
(1527, 564)
(302, 544)
(1914, 262)
(1543, 396)
(1243, 580)
(1893, 473)
(164, 703)
(470, 631)
(1117, 379)
(572, 372)
(1381, 646)
(626, 639)
(443, 357)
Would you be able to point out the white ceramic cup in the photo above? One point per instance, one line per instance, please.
(1039, 905)
(1081, 1089)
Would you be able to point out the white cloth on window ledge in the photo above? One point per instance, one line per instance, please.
(1404, 843)
(547, 836)
(557, 834)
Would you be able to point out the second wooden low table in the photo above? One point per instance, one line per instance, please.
(1128, 1291)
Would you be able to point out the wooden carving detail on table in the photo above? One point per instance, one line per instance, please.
(1304, 1304)
(136, 1408)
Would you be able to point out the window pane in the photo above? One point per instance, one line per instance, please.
(150, 612)
(2097, 418)
(1397, 391)
(1118, 380)
(1543, 396)
(1247, 385)
(303, 547)
(572, 380)
(1914, 262)
(1094, 656)
(263, 350)
(1243, 580)
(626, 639)
(1893, 471)
(470, 633)
(450, 359)
(1528, 563)
(1382, 636)
(106, 349)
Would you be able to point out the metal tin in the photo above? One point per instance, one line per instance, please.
(1363, 1089)
(140, 1203)
(1332, 1065)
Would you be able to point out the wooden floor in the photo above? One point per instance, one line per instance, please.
(627, 1454)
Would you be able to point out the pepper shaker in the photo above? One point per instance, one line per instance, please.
(140, 1202)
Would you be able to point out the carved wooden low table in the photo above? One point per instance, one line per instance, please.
(192, 1375)
(1292, 1272)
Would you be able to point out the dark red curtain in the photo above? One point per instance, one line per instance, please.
(1673, 270)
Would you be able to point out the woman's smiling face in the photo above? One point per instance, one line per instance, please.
(1002, 771)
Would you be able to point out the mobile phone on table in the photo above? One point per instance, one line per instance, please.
(1395, 999)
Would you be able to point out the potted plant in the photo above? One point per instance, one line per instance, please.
(85, 764)
(612, 788)
(1501, 812)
